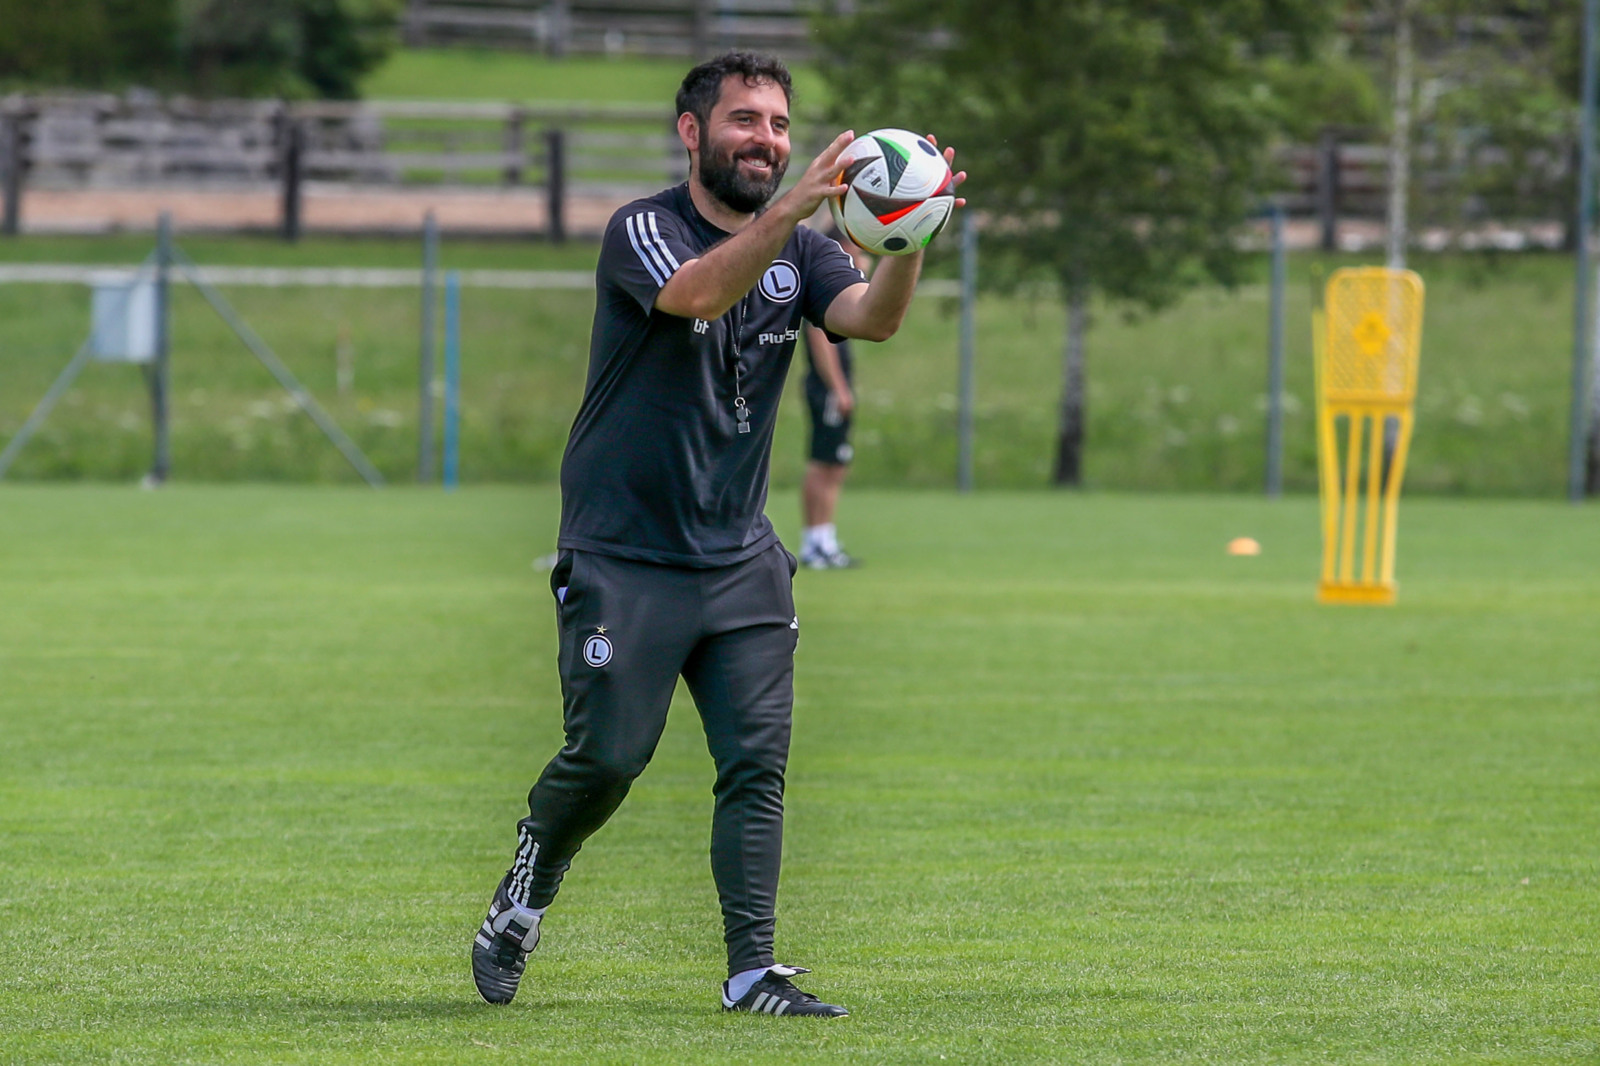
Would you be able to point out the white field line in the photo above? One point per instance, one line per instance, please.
(346, 277)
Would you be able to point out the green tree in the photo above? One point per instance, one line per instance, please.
(1115, 146)
(1493, 114)
(285, 47)
(88, 43)
(1334, 90)
(210, 47)
(1493, 119)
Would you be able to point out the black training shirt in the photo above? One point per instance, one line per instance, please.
(656, 468)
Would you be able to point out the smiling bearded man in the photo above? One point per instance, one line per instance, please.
(667, 564)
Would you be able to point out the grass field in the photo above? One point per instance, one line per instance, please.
(1176, 400)
(487, 74)
(1068, 785)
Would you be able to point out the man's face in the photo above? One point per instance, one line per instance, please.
(744, 148)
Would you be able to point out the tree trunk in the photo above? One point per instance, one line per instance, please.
(1400, 137)
(1399, 182)
(1591, 465)
(1069, 439)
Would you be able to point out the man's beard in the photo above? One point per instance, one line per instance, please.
(720, 174)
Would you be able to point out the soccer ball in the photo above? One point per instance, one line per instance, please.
(901, 193)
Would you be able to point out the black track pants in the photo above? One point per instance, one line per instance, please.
(627, 631)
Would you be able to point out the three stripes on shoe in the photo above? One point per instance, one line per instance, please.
(767, 1003)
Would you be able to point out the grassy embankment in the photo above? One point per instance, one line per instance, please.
(1176, 399)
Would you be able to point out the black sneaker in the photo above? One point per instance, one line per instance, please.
(773, 994)
(500, 950)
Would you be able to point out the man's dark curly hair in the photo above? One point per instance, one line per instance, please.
(702, 86)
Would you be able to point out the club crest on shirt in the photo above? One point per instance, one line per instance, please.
(597, 649)
(781, 282)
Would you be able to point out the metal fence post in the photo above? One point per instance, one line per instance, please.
(452, 379)
(430, 267)
(160, 373)
(556, 178)
(1275, 359)
(969, 355)
(1578, 443)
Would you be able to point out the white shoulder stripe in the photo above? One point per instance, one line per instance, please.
(645, 254)
(651, 236)
(661, 244)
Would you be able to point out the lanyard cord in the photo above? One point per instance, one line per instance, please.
(741, 411)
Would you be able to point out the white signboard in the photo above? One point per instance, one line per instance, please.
(124, 317)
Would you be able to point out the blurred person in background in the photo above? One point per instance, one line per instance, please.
(830, 400)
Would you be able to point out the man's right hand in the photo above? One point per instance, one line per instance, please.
(844, 401)
(820, 182)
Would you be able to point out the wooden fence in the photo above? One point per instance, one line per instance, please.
(108, 142)
(689, 28)
(592, 151)
(1338, 178)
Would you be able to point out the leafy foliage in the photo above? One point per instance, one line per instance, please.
(1115, 144)
(88, 43)
(211, 47)
(1495, 105)
(286, 47)
(1335, 90)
